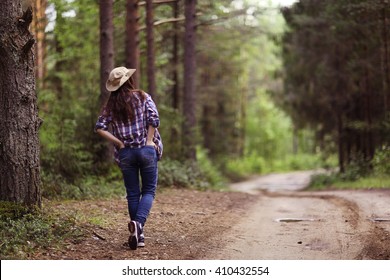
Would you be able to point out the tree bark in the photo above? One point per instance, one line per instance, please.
(19, 143)
(106, 47)
(132, 39)
(150, 69)
(189, 100)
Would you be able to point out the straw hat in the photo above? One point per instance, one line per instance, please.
(118, 77)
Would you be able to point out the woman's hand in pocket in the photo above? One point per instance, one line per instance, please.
(150, 143)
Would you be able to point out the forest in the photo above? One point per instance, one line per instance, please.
(243, 87)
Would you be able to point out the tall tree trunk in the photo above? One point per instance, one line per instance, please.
(340, 141)
(175, 58)
(106, 47)
(132, 40)
(19, 143)
(295, 144)
(38, 29)
(206, 127)
(385, 57)
(151, 69)
(174, 137)
(370, 149)
(189, 100)
(241, 146)
(106, 65)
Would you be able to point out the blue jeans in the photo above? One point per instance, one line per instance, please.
(133, 163)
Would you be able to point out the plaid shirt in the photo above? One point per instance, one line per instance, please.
(134, 134)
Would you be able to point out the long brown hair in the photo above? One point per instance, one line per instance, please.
(123, 101)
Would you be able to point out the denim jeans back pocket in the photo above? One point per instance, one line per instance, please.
(149, 154)
(123, 157)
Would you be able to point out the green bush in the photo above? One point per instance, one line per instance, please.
(173, 173)
(209, 170)
(321, 181)
(189, 174)
(240, 169)
(381, 161)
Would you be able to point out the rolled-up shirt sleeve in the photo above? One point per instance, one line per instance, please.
(152, 116)
(102, 122)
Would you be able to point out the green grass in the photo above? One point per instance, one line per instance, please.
(365, 183)
(338, 182)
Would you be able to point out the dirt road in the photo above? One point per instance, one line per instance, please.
(287, 223)
(264, 218)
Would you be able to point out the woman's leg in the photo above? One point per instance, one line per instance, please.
(130, 171)
(149, 174)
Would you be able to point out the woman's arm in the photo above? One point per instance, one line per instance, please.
(108, 136)
(149, 140)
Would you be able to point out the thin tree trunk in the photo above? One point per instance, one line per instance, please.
(150, 69)
(38, 29)
(340, 141)
(189, 100)
(244, 98)
(132, 40)
(370, 149)
(175, 58)
(295, 144)
(106, 47)
(207, 128)
(19, 143)
(106, 64)
(385, 57)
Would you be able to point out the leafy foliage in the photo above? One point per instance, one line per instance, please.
(69, 99)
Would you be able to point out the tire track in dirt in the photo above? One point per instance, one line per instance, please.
(349, 221)
(374, 236)
(325, 232)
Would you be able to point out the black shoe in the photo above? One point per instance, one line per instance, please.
(141, 239)
(134, 235)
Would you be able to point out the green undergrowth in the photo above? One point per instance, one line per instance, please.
(340, 181)
(88, 187)
(23, 231)
(242, 168)
(200, 174)
(359, 174)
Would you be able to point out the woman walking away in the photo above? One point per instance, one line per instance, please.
(134, 119)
